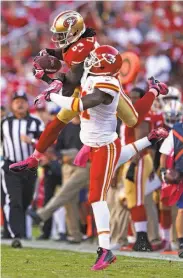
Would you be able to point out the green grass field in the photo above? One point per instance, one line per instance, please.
(39, 263)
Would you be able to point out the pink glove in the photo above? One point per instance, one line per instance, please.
(38, 72)
(155, 135)
(54, 87)
(161, 88)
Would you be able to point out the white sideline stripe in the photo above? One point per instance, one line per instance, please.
(91, 248)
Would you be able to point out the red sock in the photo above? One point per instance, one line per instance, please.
(143, 105)
(165, 219)
(49, 135)
(138, 214)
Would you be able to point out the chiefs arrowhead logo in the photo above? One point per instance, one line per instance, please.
(70, 21)
(109, 58)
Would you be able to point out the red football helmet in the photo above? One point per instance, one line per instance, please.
(104, 60)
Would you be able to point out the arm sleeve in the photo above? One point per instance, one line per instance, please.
(167, 144)
(143, 105)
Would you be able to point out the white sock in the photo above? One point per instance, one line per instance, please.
(102, 218)
(59, 216)
(28, 223)
(128, 151)
(165, 233)
(37, 155)
(141, 226)
(142, 143)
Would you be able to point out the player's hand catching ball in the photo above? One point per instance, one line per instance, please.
(54, 87)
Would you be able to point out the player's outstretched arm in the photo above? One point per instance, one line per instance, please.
(128, 151)
(134, 115)
(80, 104)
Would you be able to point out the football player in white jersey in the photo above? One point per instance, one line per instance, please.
(97, 105)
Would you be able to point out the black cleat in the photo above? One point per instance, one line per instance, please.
(142, 243)
(180, 252)
(16, 243)
(62, 237)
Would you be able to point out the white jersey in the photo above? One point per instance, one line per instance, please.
(98, 124)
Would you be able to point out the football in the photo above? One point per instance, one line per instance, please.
(49, 64)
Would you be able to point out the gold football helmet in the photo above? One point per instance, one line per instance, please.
(67, 28)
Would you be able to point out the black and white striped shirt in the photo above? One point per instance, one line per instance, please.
(14, 149)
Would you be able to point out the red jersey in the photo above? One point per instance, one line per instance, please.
(79, 50)
(156, 119)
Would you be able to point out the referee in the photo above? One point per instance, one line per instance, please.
(19, 132)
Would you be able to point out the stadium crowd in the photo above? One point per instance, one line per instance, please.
(151, 29)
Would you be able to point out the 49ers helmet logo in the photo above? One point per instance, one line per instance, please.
(70, 21)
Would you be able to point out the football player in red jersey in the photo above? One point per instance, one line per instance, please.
(75, 42)
(137, 173)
